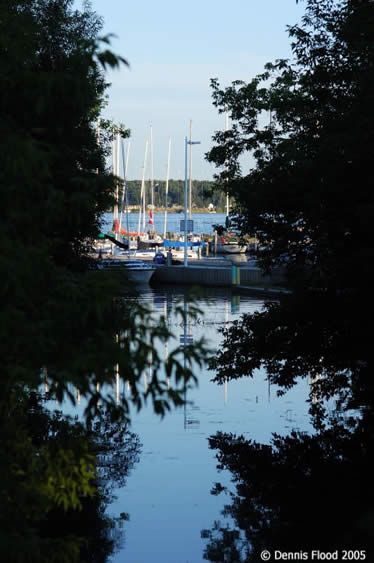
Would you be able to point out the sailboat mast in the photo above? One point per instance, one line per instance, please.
(115, 173)
(125, 163)
(152, 177)
(120, 150)
(127, 193)
(117, 154)
(142, 190)
(227, 195)
(190, 175)
(167, 188)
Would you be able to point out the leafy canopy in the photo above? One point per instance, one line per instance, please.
(307, 125)
(62, 324)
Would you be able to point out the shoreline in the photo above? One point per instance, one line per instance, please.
(178, 209)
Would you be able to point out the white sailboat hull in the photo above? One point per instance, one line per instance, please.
(139, 275)
(231, 248)
(136, 271)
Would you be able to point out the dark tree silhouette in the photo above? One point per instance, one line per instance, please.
(308, 124)
(61, 323)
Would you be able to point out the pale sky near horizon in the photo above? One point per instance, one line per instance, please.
(173, 49)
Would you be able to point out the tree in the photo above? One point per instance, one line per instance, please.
(61, 323)
(298, 494)
(308, 124)
(308, 199)
(45, 521)
(52, 91)
(55, 188)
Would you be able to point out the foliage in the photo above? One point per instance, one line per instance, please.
(308, 126)
(61, 323)
(57, 312)
(299, 494)
(308, 198)
(57, 464)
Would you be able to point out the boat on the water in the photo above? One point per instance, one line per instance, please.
(100, 247)
(230, 247)
(176, 247)
(136, 271)
(149, 241)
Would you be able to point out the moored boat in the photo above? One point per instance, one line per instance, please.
(100, 247)
(176, 247)
(136, 271)
(230, 247)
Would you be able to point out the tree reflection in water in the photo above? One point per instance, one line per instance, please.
(115, 449)
(301, 493)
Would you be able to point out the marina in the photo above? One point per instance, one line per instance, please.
(203, 268)
(211, 272)
(142, 233)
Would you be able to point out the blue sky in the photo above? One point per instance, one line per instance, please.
(173, 50)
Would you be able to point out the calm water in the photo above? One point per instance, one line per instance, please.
(202, 222)
(167, 494)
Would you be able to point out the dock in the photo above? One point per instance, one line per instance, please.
(220, 272)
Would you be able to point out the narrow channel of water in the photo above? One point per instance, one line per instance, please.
(167, 495)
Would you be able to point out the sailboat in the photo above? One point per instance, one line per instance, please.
(136, 271)
(149, 239)
(230, 246)
(228, 242)
(177, 246)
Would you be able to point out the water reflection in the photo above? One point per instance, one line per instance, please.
(168, 494)
(111, 450)
(303, 494)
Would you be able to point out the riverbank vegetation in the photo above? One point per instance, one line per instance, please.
(308, 123)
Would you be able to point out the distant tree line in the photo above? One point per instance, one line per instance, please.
(203, 193)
